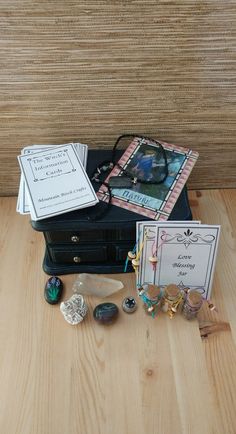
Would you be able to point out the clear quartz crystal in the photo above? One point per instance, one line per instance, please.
(92, 284)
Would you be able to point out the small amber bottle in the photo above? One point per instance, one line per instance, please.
(172, 299)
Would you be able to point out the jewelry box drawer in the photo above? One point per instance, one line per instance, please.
(121, 251)
(125, 234)
(83, 254)
(73, 237)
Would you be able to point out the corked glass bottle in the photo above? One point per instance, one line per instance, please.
(172, 299)
(151, 296)
(192, 304)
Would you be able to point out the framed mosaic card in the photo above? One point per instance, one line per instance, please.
(144, 160)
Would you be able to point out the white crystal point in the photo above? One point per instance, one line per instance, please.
(92, 284)
(74, 309)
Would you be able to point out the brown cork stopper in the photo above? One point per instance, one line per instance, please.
(153, 291)
(172, 290)
(194, 298)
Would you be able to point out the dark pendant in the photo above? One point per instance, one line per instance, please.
(105, 313)
(129, 305)
(120, 182)
(53, 290)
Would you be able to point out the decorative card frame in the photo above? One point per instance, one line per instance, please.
(186, 254)
(130, 199)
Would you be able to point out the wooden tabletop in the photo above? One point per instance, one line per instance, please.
(138, 376)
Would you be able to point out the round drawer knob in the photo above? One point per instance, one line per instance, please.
(76, 259)
(75, 238)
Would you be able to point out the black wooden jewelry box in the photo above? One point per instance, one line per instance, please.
(77, 244)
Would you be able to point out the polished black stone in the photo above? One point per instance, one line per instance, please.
(53, 290)
(105, 313)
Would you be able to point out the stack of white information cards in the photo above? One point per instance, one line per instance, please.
(54, 180)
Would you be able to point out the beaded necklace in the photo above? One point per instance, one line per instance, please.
(127, 178)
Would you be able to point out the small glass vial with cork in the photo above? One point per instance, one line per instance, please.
(151, 296)
(172, 299)
(192, 304)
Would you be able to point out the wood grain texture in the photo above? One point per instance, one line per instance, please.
(138, 376)
(91, 70)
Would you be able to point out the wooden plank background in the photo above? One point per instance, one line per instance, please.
(91, 70)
